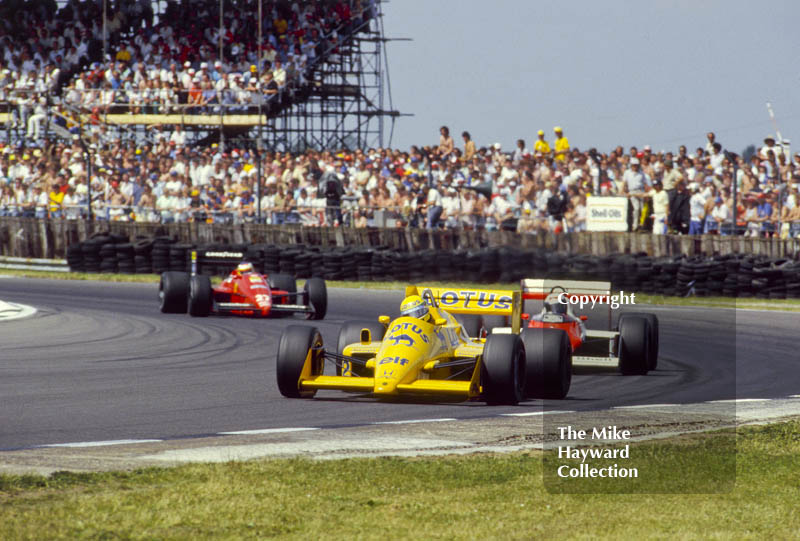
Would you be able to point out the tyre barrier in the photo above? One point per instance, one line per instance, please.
(735, 275)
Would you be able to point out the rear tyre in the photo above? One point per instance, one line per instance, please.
(634, 346)
(350, 333)
(298, 346)
(200, 296)
(548, 363)
(472, 324)
(503, 373)
(315, 294)
(652, 320)
(173, 292)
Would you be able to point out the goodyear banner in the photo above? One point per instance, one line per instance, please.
(607, 213)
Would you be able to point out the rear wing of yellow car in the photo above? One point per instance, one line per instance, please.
(474, 301)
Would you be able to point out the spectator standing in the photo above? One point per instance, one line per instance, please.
(660, 200)
(446, 144)
(469, 147)
(434, 205)
(679, 211)
(635, 182)
(561, 145)
(697, 205)
(541, 146)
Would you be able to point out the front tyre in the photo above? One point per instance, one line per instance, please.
(173, 292)
(548, 359)
(634, 346)
(503, 371)
(300, 356)
(315, 293)
(652, 320)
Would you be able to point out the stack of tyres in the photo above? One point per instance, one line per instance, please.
(421, 266)
(700, 268)
(90, 249)
(349, 264)
(377, 267)
(791, 274)
(142, 260)
(644, 277)
(745, 277)
(160, 254)
(730, 285)
(490, 266)
(254, 253)
(75, 258)
(271, 259)
(108, 258)
(125, 258)
(302, 263)
(364, 264)
(717, 274)
(179, 257)
(471, 265)
(446, 265)
(332, 265)
(668, 277)
(287, 260)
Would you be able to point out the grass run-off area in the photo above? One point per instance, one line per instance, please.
(450, 497)
(789, 305)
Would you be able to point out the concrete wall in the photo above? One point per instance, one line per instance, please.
(29, 237)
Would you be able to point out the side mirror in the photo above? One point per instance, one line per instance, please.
(384, 320)
(526, 317)
(584, 318)
(439, 321)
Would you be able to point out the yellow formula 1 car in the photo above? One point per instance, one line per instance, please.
(430, 351)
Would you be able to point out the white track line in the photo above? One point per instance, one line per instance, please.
(739, 400)
(265, 431)
(413, 421)
(99, 443)
(532, 413)
(644, 406)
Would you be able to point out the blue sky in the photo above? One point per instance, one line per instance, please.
(613, 72)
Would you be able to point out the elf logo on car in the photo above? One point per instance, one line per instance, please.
(475, 299)
(393, 360)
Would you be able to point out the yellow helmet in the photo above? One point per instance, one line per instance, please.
(414, 306)
(244, 267)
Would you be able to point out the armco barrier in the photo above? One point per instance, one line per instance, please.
(721, 275)
(29, 263)
(49, 238)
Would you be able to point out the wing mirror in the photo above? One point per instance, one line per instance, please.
(584, 318)
(384, 320)
(439, 321)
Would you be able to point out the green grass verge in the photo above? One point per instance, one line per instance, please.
(453, 497)
(787, 305)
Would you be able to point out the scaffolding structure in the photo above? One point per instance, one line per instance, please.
(346, 101)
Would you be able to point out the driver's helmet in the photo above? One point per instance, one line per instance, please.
(551, 304)
(244, 267)
(414, 306)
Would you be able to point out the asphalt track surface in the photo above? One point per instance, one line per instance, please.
(99, 362)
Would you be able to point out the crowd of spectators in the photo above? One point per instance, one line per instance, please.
(181, 60)
(436, 186)
(187, 61)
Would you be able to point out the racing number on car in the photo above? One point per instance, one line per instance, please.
(262, 299)
(347, 368)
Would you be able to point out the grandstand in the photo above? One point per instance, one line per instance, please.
(291, 75)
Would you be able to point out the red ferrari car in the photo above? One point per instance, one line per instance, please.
(632, 348)
(245, 292)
